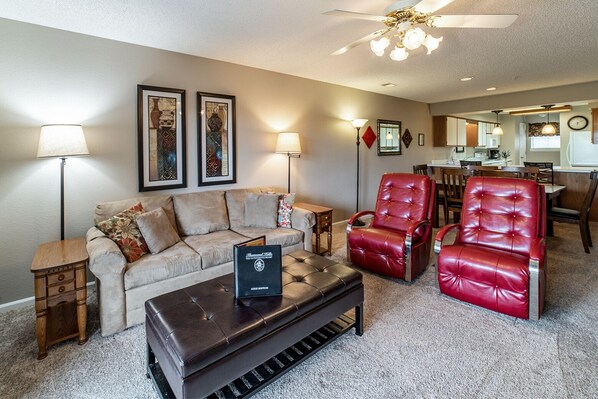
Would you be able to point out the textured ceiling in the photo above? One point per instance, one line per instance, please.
(552, 43)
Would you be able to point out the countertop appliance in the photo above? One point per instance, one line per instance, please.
(494, 154)
(581, 151)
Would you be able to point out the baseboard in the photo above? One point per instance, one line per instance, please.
(21, 303)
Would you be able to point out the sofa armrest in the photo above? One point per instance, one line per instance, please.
(304, 220)
(107, 263)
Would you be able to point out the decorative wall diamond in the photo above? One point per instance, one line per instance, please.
(407, 139)
(369, 137)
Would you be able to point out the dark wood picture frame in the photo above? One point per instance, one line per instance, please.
(386, 145)
(216, 139)
(459, 149)
(420, 139)
(161, 138)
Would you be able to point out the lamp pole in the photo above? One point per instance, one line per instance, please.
(358, 124)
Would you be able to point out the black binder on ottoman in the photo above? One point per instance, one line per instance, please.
(258, 269)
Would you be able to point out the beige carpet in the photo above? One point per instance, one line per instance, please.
(417, 344)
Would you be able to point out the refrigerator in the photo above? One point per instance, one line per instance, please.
(581, 151)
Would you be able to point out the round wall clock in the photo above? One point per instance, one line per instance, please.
(577, 122)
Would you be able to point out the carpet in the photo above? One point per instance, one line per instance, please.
(417, 344)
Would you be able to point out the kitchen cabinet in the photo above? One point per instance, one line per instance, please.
(594, 125)
(449, 131)
(472, 134)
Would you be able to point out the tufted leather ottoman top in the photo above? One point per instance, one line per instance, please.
(202, 323)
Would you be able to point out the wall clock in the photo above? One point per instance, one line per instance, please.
(577, 122)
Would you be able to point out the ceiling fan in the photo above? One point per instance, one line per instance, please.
(402, 19)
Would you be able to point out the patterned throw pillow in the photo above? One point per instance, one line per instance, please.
(123, 230)
(285, 208)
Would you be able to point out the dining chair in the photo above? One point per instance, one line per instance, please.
(546, 171)
(525, 172)
(453, 186)
(421, 169)
(465, 163)
(581, 216)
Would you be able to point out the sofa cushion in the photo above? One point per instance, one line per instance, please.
(261, 210)
(279, 236)
(106, 210)
(215, 248)
(235, 203)
(157, 230)
(172, 262)
(201, 213)
(123, 230)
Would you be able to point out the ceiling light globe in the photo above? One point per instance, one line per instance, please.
(432, 42)
(399, 54)
(497, 131)
(414, 38)
(378, 46)
(548, 129)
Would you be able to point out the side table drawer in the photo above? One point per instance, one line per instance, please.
(58, 278)
(324, 222)
(61, 288)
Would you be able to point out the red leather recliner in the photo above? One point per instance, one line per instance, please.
(497, 260)
(398, 241)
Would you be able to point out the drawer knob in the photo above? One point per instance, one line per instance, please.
(60, 277)
(61, 289)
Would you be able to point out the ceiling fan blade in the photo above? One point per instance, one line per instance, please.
(423, 6)
(430, 6)
(356, 43)
(357, 15)
(474, 21)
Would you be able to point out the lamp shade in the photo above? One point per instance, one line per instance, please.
(61, 141)
(358, 123)
(288, 143)
(497, 130)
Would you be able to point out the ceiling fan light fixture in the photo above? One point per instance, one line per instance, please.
(432, 42)
(399, 54)
(378, 46)
(414, 38)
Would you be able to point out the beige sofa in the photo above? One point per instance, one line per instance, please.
(208, 222)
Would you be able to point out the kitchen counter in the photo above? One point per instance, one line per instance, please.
(565, 169)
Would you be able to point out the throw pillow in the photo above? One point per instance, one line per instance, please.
(285, 208)
(123, 230)
(157, 230)
(261, 210)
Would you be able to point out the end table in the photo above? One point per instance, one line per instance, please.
(60, 292)
(323, 224)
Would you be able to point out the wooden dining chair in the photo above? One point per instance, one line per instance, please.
(477, 170)
(545, 172)
(453, 186)
(421, 169)
(581, 216)
(465, 163)
(525, 172)
(499, 173)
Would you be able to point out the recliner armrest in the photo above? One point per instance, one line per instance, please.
(359, 215)
(538, 251)
(411, 230)
(441, 234)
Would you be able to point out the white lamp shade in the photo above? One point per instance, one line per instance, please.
(497, 130)
(288, 143)
(399, 54)
(61, 141)
(548, 129)
(358, 123)
(378, 46)
(414, 38)
(432, 42)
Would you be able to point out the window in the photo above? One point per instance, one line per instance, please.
(538, 143)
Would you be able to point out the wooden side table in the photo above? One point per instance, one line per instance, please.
(60, 292)
(323, 224)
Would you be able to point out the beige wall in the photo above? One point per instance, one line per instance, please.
(52, 76)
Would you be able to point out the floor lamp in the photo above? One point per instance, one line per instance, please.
(358, 124)
(61, 141)
(288, 143)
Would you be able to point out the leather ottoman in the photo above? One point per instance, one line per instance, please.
(201, 340)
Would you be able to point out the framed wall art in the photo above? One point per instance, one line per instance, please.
(389, 137)
(216, 139)
(161, 138)
(420, 139)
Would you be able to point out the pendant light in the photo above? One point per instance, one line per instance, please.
(548, 128)
(497, 130)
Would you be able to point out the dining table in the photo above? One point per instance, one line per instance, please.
(552, 191)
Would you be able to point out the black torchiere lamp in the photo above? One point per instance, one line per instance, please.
(288, 143)
(358, 124)
(61, 141)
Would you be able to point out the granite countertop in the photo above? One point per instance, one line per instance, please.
(565, 169)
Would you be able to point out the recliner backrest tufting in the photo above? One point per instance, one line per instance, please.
(503, 213)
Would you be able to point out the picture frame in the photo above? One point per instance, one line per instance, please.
(459, 149)
(216, 139)
(389, 137)
(161, 138)
(420, 139)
